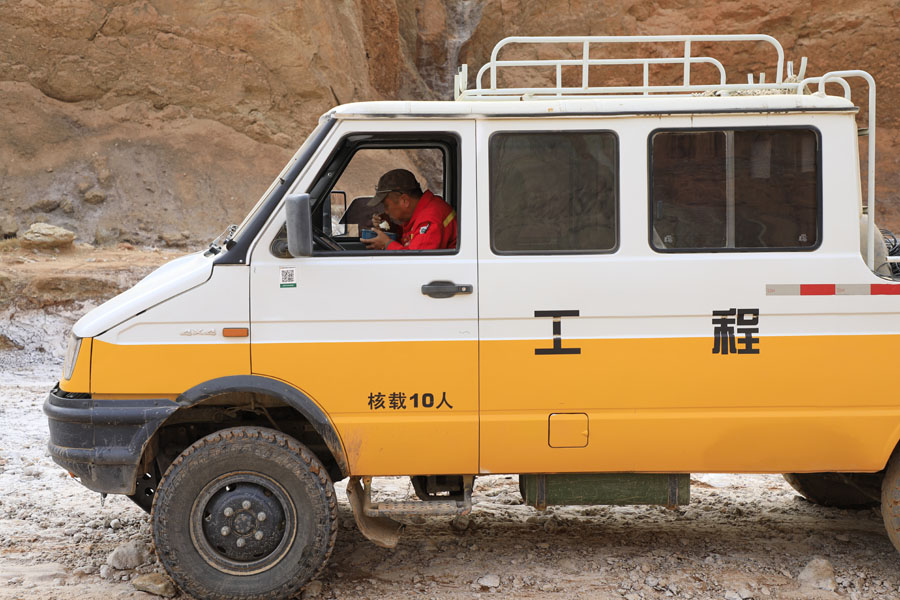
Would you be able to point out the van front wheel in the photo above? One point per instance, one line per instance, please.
(244, 513)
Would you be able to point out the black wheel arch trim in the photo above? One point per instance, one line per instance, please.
(272, 387)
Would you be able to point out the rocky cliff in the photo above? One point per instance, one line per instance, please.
(160, 121)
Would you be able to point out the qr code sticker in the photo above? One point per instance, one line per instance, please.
(288, 277)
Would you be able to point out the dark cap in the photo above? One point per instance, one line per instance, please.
(397, 180)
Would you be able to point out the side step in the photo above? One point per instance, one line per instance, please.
(617, 489)
(373, 519)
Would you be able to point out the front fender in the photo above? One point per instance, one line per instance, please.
(278, 389)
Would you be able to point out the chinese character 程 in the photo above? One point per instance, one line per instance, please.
(397, 400)
(732, 323)
(376, 401)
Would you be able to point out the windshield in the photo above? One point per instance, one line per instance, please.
(312, 136)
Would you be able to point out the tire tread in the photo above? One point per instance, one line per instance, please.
(229, 436)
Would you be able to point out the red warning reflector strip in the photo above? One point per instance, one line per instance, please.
(831, 289)
(885, 289)
(817, 289)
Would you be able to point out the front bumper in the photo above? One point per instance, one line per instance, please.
(101, 441)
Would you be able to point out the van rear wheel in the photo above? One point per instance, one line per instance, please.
(246, 512)
(890, 500)
(838, 490)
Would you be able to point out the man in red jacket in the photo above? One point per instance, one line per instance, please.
(428, 222)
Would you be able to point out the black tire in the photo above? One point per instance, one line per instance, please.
(838, 490)
(270, 493)
(890, 500)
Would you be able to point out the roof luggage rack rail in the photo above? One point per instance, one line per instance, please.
(685, 58)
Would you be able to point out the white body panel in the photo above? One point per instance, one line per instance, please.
(672, 295)
(609, 106)
(195, 317)
(171, 279)
(326, 304)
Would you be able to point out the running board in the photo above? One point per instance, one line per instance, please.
(373, 519)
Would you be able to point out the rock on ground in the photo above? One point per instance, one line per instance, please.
(129, 555)
(155, 583)
(489, 581)
(44, 235)
(818, 574)
(313, 589)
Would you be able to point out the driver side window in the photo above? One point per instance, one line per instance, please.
(402, 192)
(352, 199)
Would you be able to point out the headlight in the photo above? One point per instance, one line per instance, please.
(72, 349)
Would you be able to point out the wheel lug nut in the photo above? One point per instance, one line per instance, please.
(240, 542)
(228, 511)
(246, 504)
(225, 530)
(261, 516)
(258, 535)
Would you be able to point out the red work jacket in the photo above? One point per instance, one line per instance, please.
(431, 227)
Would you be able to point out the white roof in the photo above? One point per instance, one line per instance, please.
(632, 105)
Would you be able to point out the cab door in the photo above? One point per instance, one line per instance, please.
(364, 334)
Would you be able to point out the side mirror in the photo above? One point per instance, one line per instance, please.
(299, 225)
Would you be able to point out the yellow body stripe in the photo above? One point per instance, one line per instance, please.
(805, 403)
(163, 369)
(341, 377)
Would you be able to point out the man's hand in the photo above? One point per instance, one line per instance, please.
(379, 242)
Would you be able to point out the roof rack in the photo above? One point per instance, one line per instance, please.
(794, 84)
(685, 58)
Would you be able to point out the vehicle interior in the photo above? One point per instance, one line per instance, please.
(341, 199)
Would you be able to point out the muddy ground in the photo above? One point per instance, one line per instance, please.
(740, 537)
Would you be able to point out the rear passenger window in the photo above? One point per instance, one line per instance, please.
(735, 190)
(553, 192)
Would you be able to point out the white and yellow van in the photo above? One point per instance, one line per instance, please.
(649, 280)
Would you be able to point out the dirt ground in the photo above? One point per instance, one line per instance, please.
(741, 537)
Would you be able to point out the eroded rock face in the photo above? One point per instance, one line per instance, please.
(144, 117)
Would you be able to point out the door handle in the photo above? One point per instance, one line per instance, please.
(446, 289)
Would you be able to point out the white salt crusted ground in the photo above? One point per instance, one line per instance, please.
(741, 536)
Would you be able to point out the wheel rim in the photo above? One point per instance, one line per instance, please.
(243, 523)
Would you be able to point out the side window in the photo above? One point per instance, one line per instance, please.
(755, 189)
(553, 192)
(391, 194)
(352, 198)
